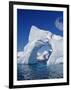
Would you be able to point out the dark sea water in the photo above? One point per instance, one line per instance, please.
(39, 71)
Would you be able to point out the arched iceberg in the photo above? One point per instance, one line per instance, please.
(40, 41)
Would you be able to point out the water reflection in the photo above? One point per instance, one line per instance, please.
(39, 71)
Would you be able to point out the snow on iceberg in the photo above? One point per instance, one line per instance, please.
(39, 38)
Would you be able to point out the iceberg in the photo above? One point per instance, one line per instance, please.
(42, 46)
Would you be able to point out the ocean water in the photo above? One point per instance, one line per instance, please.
(39, 70)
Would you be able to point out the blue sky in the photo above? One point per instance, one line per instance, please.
(41, 19)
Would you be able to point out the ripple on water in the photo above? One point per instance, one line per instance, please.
(39, 71)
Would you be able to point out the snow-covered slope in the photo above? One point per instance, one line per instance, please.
(37, 39)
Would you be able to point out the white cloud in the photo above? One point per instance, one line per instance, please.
(59, 24)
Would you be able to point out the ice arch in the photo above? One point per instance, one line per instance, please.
(42, 57)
